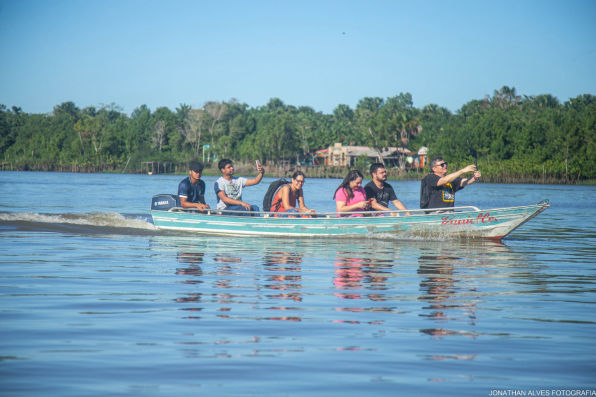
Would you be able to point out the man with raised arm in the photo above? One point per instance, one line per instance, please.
(229, 189)
(438, 188)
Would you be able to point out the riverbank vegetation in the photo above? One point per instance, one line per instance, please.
(517, 138)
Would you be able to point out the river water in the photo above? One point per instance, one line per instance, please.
(95, 302)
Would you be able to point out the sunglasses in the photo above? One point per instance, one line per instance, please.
(442, 164)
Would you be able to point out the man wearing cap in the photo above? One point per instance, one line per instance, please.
(191, 190)
(438, 188)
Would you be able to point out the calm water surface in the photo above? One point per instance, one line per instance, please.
(95, 302)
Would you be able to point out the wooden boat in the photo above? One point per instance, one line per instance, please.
(458, 222)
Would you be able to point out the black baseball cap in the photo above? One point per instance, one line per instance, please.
(195, 166)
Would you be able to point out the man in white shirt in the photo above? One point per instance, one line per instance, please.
(229, 189)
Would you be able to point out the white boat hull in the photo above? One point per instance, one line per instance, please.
(463, 222)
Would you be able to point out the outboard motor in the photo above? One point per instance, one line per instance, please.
(163, 202)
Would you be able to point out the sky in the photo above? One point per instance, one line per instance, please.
(307, 53)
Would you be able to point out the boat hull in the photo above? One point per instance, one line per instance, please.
(493, 223)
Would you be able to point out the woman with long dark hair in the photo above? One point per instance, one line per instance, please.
(289, 195)
(350, 196)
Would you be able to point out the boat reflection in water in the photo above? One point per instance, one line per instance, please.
(221, 268)
(455, 288)
(442, 292)
(193, 260)
(353, 274)
(283, 277)
(381, 287)
(450, 279)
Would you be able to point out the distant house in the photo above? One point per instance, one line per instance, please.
(345, 156)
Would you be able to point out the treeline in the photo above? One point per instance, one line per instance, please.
(517, 138)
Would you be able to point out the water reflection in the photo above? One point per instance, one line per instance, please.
(374, 290)
(230, 281)
(192, 260)
(365, 280)
(283, 277)
(352, 273)
(455, 279)
(371, 281)
(444, 293)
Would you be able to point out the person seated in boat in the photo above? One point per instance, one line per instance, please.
(438, 188)
(350, 196)
(380, 191)
(191, 190)
(289, 195)
(229, 189)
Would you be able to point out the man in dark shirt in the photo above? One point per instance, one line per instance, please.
(191, 190)
(438, 189)
(380, 191)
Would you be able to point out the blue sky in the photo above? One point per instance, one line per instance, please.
(307, 53)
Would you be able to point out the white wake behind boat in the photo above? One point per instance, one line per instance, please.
(457, 222)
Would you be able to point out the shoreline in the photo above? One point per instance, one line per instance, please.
(334, 173)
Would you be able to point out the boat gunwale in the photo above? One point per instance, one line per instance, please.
(279, 216)
(459, 219)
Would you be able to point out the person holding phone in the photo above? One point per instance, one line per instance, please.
(229, 189)
(350, 196)
(380, 191)
(437, 189)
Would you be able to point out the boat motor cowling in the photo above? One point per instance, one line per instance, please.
(163, 202)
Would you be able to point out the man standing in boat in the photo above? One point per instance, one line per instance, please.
(191, 190)
(380, 191)
(229, 189)
(438, 189)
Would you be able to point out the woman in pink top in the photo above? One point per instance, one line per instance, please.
(350, 196)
